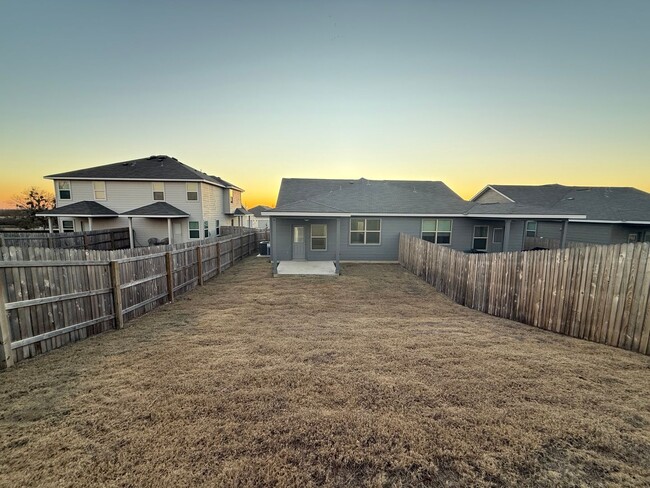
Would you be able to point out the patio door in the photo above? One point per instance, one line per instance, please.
(298, 240)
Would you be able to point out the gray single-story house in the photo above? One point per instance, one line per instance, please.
(360, 220)
(614, 215)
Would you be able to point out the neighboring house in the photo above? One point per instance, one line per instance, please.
(360, 220)
(256, 220)
(613, 214)
(158, 196)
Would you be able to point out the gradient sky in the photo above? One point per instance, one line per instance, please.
(467, 92)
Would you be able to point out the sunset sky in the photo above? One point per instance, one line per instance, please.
(467, 92)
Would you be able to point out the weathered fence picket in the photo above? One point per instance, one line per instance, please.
(598, 293)
(104, 239)
(51, 297)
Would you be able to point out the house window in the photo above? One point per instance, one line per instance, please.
(192, 191)
(232, 196)
(365, 231)
(217, 228)
(437, 231)
(497, 235)
(531, 228)
(195, 233)
(63, 189)
(319, 237)
(158, 190)
(632, 238)
(480, 238)
(99, 190)
(68, 225)
(206, 229)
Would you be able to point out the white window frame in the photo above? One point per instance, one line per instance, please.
(494, 233)
(95, 190)
(533, 231)
(188, 191)
(435, 237)
(217, 228)
(63, 222)
(58, 189)
(206, 228)
(154, 191)
(197, 230)
(365, 232)
(312, 236)
(487, 238)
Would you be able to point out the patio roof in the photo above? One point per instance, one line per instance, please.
(84, 208)
(158, 210)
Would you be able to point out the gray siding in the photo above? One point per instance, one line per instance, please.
(387, 250)
(490, 196)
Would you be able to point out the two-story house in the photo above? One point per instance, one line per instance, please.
(158, 197)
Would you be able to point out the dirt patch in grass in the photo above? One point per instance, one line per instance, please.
(369, 379)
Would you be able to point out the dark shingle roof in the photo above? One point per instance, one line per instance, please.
(597, 203)
(367, 196)
(158, 209)
(155, 168)
(257, 210)
(392, 197)
(83, 208)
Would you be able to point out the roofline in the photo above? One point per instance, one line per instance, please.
(633, 222)
(529, 216)
(156, 216)
(84, 178)
(491, 188)
(77, 215)
(494, 216)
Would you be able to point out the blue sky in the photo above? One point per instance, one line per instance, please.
(468, 92)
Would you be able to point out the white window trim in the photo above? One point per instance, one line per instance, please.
(187, 191)
(189, 230)
(58, 190)
(365, 231)
(526, 228)
(451, 231)
(153, 191)
(63, 227)
(206, 228)
(95, 191)
(217, 227)
(487, 238)
(311, 238)
(494, 231)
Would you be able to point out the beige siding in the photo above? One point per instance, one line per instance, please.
(490, 196)
(213, 198)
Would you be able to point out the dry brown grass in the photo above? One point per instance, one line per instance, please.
(371, 379)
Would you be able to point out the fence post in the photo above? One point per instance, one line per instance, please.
(199, 263)
(116, 281)
(218, 258)
(112, 234)
(6, 359)
(169, 265)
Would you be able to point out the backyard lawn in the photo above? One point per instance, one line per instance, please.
(369, 379)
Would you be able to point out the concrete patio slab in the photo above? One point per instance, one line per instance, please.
(324, 268)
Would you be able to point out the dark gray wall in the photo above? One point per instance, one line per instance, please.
(461, 237)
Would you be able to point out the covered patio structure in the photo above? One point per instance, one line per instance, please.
(158, 210)
(78, 213)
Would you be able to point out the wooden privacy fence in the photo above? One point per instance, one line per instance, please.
(545, 243)
(107, 239)
(597, 293)
(52, 297)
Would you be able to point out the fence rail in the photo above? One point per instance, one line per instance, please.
(597, 293)
(52, 297)
(537, 243)
(105, 239)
